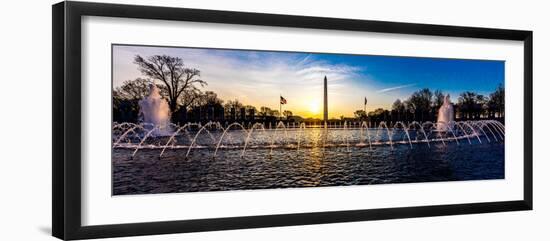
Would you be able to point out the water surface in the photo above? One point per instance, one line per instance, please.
(313, 166)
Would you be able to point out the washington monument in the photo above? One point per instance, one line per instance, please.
(325, 103)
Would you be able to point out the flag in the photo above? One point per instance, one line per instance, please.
(365, 100)
(283, 101)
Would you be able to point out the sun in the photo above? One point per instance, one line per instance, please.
(314, 107)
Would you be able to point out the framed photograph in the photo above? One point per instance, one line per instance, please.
(169, 120)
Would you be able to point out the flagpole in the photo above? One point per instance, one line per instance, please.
(365, 105)
(365, 108)
(280, 107)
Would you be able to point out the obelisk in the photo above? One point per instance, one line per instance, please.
(325, 103)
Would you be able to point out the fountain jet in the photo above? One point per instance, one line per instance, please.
(155, 110)
(445, 116)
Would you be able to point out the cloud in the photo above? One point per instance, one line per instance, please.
(258, 78)
(395, 88)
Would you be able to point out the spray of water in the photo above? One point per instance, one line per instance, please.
(155, 110)
(213, 136)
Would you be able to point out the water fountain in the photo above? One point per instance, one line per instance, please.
(156, 132)
(155, 111)
(159, 156)
(213, 137)
(445, 115)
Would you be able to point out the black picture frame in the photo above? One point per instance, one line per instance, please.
(66, 159)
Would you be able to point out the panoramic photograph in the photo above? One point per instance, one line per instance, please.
(203, 119)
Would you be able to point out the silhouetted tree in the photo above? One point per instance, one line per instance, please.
(398, 109)
(126, 99)
(481, 106)
(205, 105)
(360, 114)
(251, 107)
(133, 89)
(420, 102)
(208, 98)
(466, 104)
(495, 103)
(287, 113)
(471, 104)
(266, 111)
(378, 115)
(179, 82)
(233, 104)
(437, 101)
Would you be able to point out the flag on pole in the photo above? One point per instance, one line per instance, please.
(283, 101)
(365, 100)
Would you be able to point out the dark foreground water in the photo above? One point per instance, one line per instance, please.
(307, 167)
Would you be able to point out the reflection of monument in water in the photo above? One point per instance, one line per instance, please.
(446, 114)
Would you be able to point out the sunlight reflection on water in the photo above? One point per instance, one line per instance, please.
(306, 167)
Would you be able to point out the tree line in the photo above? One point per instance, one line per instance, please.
(180, 87)
(423, 105)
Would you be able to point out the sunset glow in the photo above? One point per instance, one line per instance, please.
(201, 119)
(314, 107)
(259, 78)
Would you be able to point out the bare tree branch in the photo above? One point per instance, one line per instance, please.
(180, 82)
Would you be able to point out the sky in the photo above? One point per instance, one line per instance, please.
(258, 78)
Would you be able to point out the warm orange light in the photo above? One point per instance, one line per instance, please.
(314, 107)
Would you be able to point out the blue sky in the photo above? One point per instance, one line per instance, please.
(259, 77)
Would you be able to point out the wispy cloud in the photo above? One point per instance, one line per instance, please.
(395, 88)
(258, 78)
